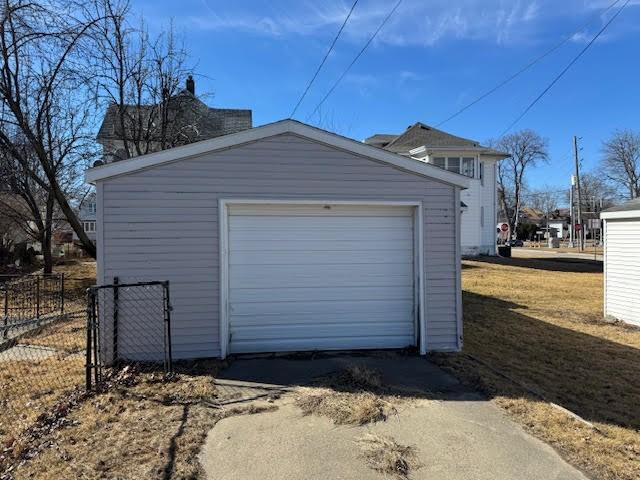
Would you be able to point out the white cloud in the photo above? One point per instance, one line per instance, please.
(416, 22)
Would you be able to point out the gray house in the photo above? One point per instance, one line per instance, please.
(181, 120)
(286, 237)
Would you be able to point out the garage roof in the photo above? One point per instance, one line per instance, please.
(630, 209)
(135, 164)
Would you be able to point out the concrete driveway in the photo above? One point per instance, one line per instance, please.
(458, 434)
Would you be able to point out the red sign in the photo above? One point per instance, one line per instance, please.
(578, 227)
(504, 227)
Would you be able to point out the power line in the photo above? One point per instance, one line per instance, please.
(561, 74)
(386, 19)
(523, 69)
(333, 44)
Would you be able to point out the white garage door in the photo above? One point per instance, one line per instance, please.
(320, 277)
(622, 265)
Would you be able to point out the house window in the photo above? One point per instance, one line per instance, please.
(92, 208)
(89, 226)
(453, 164)
(481, 173)
(468, 166)
(462, 165)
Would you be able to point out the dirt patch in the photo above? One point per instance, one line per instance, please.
(544, 329)
(383, 454)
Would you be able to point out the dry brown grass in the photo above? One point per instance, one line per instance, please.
(353, 396)
(151, 429)
(540, 323)
(345, 408)
(386, 456)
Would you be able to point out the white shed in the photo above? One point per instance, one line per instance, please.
(286, 237)
(622, 261)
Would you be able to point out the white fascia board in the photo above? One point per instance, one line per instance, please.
(620, 214)
(477, 150)
(124, 167)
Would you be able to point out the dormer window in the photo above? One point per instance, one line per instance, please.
(92, 208)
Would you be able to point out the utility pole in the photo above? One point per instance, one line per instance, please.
(579, 234)
(571, 215)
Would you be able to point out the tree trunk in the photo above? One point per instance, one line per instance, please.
(47, 235)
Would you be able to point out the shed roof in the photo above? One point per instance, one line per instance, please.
(630, 209)
(130, 165)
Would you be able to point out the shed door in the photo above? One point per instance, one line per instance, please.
(622, 264)
(320, 277)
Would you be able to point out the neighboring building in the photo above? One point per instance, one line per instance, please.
(87, 216)
(286, 237)
(463, 157)
(188, 120)
(622, 261)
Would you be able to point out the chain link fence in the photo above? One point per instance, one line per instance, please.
(129, 325)
(58, 344)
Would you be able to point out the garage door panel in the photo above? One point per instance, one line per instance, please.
(333, 343)
(324, 330)
(322, 317)
(307, 258)
(308, 278)
(329, 294)
(313, 307)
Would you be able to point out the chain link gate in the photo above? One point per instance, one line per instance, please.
(128, 324)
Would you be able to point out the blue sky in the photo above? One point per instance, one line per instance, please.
(429, 60)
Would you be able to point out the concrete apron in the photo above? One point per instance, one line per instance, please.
(458, 434)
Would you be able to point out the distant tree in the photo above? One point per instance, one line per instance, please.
(546, 199)
(45, 117)
(596, 192)
(621, 161)
(526, 149)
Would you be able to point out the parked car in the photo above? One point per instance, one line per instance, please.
(515, 243)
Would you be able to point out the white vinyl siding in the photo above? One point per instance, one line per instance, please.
(162, 224)
(622, 269)
(320, 277)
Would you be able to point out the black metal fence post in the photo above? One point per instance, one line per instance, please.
(62, 295)
(6, 308)
(167, 319)
(91, 304)
(37, 298)
(116, 295)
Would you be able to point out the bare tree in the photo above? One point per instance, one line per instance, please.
(43, 104)
(141, 79)
(526, 149)
(545, 199)
(621, 161)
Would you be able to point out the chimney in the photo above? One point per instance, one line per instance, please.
(191, 85)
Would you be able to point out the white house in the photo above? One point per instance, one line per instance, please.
(286, 237)
(87, 216)
(463, 157)
(622, 261)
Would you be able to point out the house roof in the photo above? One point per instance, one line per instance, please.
(630, 209)
(422, 135)
(134, 164)
(184, 109)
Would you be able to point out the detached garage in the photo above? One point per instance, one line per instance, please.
(622, 262)
(287, 238)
